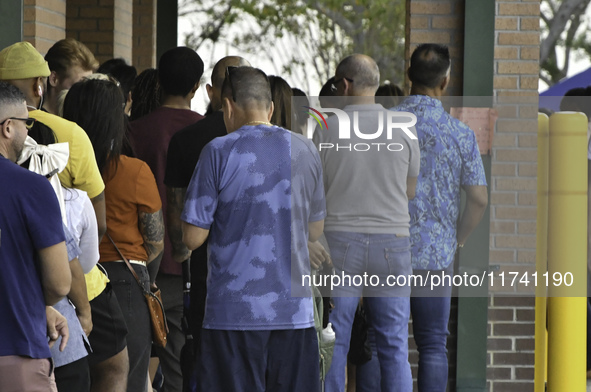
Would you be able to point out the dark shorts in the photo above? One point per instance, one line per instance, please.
(271, 361)
(74, 376)
(109, 331)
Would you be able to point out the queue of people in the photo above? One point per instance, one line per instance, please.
(139, 184)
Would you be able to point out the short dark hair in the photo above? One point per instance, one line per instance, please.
(428, 65)
(10, 95)
(326, 90)
(246, 86)
(97, 107)
(179, 70)
(119, 69)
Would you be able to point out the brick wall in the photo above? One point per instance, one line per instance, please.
(513, 191)
(44, 23)
(144, 34)
(440, 22)
(105, 26)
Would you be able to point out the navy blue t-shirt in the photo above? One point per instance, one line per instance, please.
(30, 220)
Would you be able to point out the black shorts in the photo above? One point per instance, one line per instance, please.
(109, 331)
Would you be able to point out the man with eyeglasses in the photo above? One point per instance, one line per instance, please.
(35, 272)
(369, 176)
(21, 65)
(257, 194)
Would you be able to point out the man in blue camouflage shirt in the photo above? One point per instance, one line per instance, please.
(258, 194)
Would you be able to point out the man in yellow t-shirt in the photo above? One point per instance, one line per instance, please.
(23, 66)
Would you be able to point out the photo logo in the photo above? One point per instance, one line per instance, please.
(350, 128)
(315, 116)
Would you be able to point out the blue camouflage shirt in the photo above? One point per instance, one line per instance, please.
(256, 190)
(449, 159)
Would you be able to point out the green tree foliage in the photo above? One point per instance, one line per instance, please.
(564, 30)
(303, 35)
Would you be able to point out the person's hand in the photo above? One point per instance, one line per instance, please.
(57, 326)
(318, 255)
(86, 322)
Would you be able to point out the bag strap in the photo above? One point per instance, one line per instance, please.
(137, 279)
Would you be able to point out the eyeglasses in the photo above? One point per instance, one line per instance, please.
(29, 122)
(333, 86)
(229, 70)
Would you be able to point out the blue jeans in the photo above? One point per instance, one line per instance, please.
(381, 255)
(430, 317)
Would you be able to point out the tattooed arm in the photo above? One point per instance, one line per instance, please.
(176, 198)
(152, 228)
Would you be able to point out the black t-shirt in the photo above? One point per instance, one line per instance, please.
(186, 145)
(183, 153)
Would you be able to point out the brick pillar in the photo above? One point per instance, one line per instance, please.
(44, 23)
(513, 190)
(439, 22)
(144, 34)
(105, 26)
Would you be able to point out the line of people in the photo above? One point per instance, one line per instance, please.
(252, 205)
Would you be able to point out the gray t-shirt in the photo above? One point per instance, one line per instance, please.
(365, 172)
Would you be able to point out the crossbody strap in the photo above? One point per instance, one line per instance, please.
(137, 279)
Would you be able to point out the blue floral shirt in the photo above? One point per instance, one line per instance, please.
(449, 159)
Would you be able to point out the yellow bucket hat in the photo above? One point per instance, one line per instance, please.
(22, 61)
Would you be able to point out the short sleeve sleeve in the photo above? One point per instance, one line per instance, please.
(71, 244)
(147, 196)
(89, 245)
(84, 170)
(43, 216)
(318, 203)
(202, 194)
(472, 168)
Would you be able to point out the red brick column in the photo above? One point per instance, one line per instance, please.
(105, 26)
(44, 23)
(144, 34)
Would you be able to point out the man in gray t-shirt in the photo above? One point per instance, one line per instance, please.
(370, 158)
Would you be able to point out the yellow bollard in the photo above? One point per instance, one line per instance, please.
(567, 253)
(541, 337)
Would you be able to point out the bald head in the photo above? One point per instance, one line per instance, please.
(219, 70)
(362, 70)
(217, 78)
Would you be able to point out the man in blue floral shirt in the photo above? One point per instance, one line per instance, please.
(450, 161)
